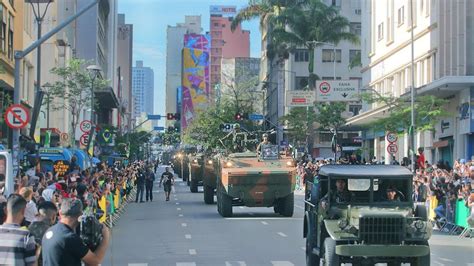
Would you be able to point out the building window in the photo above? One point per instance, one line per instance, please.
(380, 31)
(216, 24)
(358, 12)
(10, 37)
(328, 55)
(336, 3)
(401, 15)
(355, 109)
(353, 54)
(356, 28)
(3, 29)
(301, 55)
(301, 83)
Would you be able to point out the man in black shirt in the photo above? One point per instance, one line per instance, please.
(62, 246)
(167, 179)
(149, 179)
(140, 185)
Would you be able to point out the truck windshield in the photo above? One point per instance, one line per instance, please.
(344, 191)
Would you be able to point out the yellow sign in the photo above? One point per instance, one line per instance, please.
(60, 167)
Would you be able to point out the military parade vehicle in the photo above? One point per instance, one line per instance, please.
(245, 179)
(196, 170)
(364, 214)
(209, 179)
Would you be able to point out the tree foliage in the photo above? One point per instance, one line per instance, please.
(299, 122)
(71, 92)
(330, 115)
(132, 141)
(428, 110)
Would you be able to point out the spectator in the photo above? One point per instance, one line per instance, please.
(420, 162)
(31, 210)
(17, 247)
(47, 217)
(62, 246)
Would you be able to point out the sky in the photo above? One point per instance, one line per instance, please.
(150, 19)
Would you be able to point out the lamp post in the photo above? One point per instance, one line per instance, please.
(39, 16)
(412, 126)
(94, 71)
(48, 93)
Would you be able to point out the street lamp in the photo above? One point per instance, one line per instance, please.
(333, 52)
(94, 71)
(48, 93)
(39, 16)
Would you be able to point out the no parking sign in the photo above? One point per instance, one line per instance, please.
(17, 116)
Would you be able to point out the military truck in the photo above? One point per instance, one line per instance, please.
(196, 171)
(209, 179)
(245, 179)
(364, 214)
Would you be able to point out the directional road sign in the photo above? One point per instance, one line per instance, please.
(337, 91)
(255, 117)
(17, 116)
(159, 128)
(154, 117)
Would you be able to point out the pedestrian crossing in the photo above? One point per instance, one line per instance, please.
(225, 263)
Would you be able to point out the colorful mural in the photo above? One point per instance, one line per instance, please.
(195, 80)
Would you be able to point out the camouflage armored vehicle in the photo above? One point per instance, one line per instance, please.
(209, 179)
(243, 179)
(196, 171)
(363, 214)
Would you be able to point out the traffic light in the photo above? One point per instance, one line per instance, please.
(173, 116)
(238, 116)
(177, 116)
(177, 129)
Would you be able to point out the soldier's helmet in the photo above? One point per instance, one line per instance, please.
(265, 135)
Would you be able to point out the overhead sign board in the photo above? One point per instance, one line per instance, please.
(17, 116)
(159, 128)
(256, 117)
(337, 90)
(223, 10)
(154, 117)
(299, 98)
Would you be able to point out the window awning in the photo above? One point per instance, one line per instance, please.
(440, 144)
(106, 98)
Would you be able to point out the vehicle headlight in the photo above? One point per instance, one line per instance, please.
(209, 162)
(228, 164)
(195, 161)
(289, 163)
(419, 225)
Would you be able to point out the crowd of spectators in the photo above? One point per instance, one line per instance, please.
(44, 192)
(440, 184)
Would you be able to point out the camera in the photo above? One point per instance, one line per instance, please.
(91, 232)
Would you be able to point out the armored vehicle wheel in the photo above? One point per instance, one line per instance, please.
(311, 259)
(225, 205)
(286, 206)
(276, 207)
(194, 186)
(330, 257)
(208, 195)
(188, 183)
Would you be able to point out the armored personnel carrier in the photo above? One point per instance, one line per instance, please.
(245, 179)
(196, 171)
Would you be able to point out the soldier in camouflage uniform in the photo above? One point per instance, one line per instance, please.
(265, 141)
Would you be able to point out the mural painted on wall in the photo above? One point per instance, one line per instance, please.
(195, 79)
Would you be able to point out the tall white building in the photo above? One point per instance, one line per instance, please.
(143, 90)
(443, 66)
(174, 47)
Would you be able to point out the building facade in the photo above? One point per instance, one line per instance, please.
(125, 64)
(443, 66)
(174, 59)
(142, 90)
(224, 42)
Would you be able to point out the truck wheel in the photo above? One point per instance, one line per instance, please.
(311, 259)
(226, 205)
(194, 186)
(330, 256)
(276, 207)
(287, 205)
(208, 195)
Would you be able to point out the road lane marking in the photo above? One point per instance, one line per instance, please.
(192, 252)
(260, 218)
(444, 259)
(178, 209)
(282, 263)
(438, 263)
(281, 234)
(184, 224)
(264, 223)
(180, 215)
(186, 264)
(187, 236)
(236, 263)
(299, 207)
(177, 203)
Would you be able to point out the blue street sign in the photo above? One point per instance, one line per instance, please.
(154, 117)
(255, 117)
(159, 128)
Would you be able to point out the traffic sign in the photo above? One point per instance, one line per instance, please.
(159, 128)
(255, 117)
(392, 148)
(84, 139)
(337, 91)
(154, 117)
(392, 137)
(64, 137)
(85, 126)
(298, 98)
(17, 116)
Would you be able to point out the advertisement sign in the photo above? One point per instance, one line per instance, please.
(299, 98)
(61, 167)
(195, 80)
(223, 10)
(337, 90)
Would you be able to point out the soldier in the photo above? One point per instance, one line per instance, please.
(341, 195)
(265, 141)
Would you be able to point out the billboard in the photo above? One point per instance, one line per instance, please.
(195, 88)
(223, 10)
(299, 98)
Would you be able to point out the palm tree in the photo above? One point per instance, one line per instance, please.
(312, 25)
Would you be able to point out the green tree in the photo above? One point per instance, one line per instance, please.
(71, 93)
(429, 110)
(311, 25)
(329, 115)
(299, 121)
(131, 142)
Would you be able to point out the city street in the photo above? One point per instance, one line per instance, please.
(185, 231)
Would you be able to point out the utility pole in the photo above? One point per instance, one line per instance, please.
(412, 126)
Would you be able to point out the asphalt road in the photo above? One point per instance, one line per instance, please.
(186, 232)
